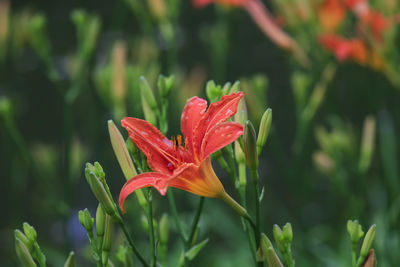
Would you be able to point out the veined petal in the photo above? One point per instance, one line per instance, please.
(217, 112)
(158, 149)
(200, 180)
(155, 179)
(191, 115)
(220, 136)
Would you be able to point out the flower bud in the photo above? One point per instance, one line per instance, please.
(268, 252)
(22, 237)
(287, 233)
(164, 228)
(99, 191)
(86, 220)
(149, 103)
(108, 235)
(70, 262)
(355, 231)
(368, 240)
(30, 232)
(279, 239)
(235, 88)
(98, 170)
(263, 132)
(250, 148)
(165, 84)
(23, 254)
(100, 221)
(213, 91)
(226, 88)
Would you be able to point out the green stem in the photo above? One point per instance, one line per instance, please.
(255, 178)
(354, 254)
(151, 228)
(174, 211)
(130, 241)
(196, 220)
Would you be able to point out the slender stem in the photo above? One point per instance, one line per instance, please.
(196, 220)
(354, 254)
(174, 211)
(151, 228)
(130, 241)
(255, 178)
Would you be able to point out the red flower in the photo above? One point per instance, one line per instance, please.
(345, 49)
(185, 167)
(331, 14)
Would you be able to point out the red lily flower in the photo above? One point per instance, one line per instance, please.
(345, 49)
(185, 167)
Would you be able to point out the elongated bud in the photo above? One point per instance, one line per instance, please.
(164, 228)
(355, 231)
(367, 144)
(278, 236)
(30, 232)
(98, 170)
(165, 84)
(22, 237)
(124, 159)
(99, 191)
(368, 240)
(287, 233)
(70, 262)
(213, 91)
(100, 221)
(263, 132)
(235, 88)
(86, 220)
(226, 88)
(149, 103)
(268, 252)
(240, 117)
(250, 148)
(108, 235)
(23, 254)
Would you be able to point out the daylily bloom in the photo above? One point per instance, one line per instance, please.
(185, 167)
(345, 49)
(331, 14)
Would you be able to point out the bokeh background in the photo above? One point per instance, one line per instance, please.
(66, 67)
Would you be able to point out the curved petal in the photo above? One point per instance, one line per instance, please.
(191, 115)
(157, 180)
(200, 180)
(158, 149)
(219, 136)
(217, 112)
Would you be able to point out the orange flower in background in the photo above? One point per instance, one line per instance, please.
(376, 22)
(202, 3)
(331, 14)
(185, 167)
(345, 49)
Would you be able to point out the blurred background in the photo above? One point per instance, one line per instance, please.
(328, 69)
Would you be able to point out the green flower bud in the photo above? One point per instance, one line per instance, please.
(165, 85)
(70, 262)
(23, 254)
(226, 88)
(263, 132)
(22, 237)
(213, 91)
(250, 148)
(100, 221)
(368, 240)
(149, 103)
(235, 88)
(164, 228)
(355, 231)
(108, 235)
(287, 233)
(279, 238)
(98, 170)
(5, 107)
(30, 232)
(268, 252)
(99, 191)
(86, 220)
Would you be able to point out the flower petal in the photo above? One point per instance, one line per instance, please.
(219, 136)
(191, 115)
(217, 112)
(158, 149)
(157, 180)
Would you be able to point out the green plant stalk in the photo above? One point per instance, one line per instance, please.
(354, 254)
(196, 220)
(39, 255)
(257, 232)
(130, 241)
(171, 200)
(95, 249)
(224, 165)
(149, 214)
